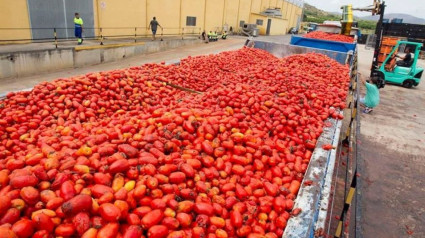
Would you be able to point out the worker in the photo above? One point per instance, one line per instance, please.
(224, 35)
(210, 36)
(154, 25)
(204, 37)
(406, 60)
(371, 99)
(78, 22)
(215, 36)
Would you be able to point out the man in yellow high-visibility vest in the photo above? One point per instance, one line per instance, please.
(78, 28)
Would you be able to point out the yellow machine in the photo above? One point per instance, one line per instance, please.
(347, 21)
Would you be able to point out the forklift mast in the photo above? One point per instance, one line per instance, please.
(347, 22)
(378, 32)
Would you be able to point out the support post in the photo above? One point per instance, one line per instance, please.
(56, 37)
(378, 32)
(101, 36)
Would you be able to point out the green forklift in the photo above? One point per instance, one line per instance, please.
(407, 74)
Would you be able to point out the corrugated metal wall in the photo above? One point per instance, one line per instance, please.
(59, 14)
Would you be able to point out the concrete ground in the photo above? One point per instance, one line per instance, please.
(392, 146)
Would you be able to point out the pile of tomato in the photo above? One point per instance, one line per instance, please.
(329, 36)
(123, 154)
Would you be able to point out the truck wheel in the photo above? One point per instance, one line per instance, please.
(408, 83)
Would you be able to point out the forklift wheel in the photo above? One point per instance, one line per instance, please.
(408, 83)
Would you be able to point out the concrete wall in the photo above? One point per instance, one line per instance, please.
(293, 13)
(167, 13)
(192, 8)
(14, 14)
(231, 13)
(122, 17)
(244, 11)
(214, 13)
(26, 63)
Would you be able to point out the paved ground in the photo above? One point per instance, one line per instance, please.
(393, 158)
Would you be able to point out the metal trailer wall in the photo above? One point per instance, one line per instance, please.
(313, 200)
(282, 50)
(59, 14)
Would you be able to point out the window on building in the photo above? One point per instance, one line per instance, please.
(190, 21)
(259, 22)
(241, 23)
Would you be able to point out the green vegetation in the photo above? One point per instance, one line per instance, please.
(365, 24)
(312, 14)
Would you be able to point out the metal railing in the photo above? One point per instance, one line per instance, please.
(57, 35)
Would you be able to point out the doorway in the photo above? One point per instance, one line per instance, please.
(48, 14)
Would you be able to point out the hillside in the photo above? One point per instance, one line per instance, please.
(406, 18)
(313, 14)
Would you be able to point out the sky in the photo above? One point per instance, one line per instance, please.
(413, 7)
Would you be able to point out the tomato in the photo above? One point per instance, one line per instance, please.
(67, 190)
(90, 233)
(184, 219)
(177, 177)
(7, 232)
(119, 166)
(81, 222)
(129, 150)
(10, 216)
(43, 222)
(110, 230)
(152, 218)
(23, 228)
(204, 208)
(23, 181)
(158, 231)
(65, 230)
(329, 36)
(110, 212)
(5, 203)
(236, 218)
(327, 147)
(79, 203)
(217, 221)
(133, 231)
(171, 223)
